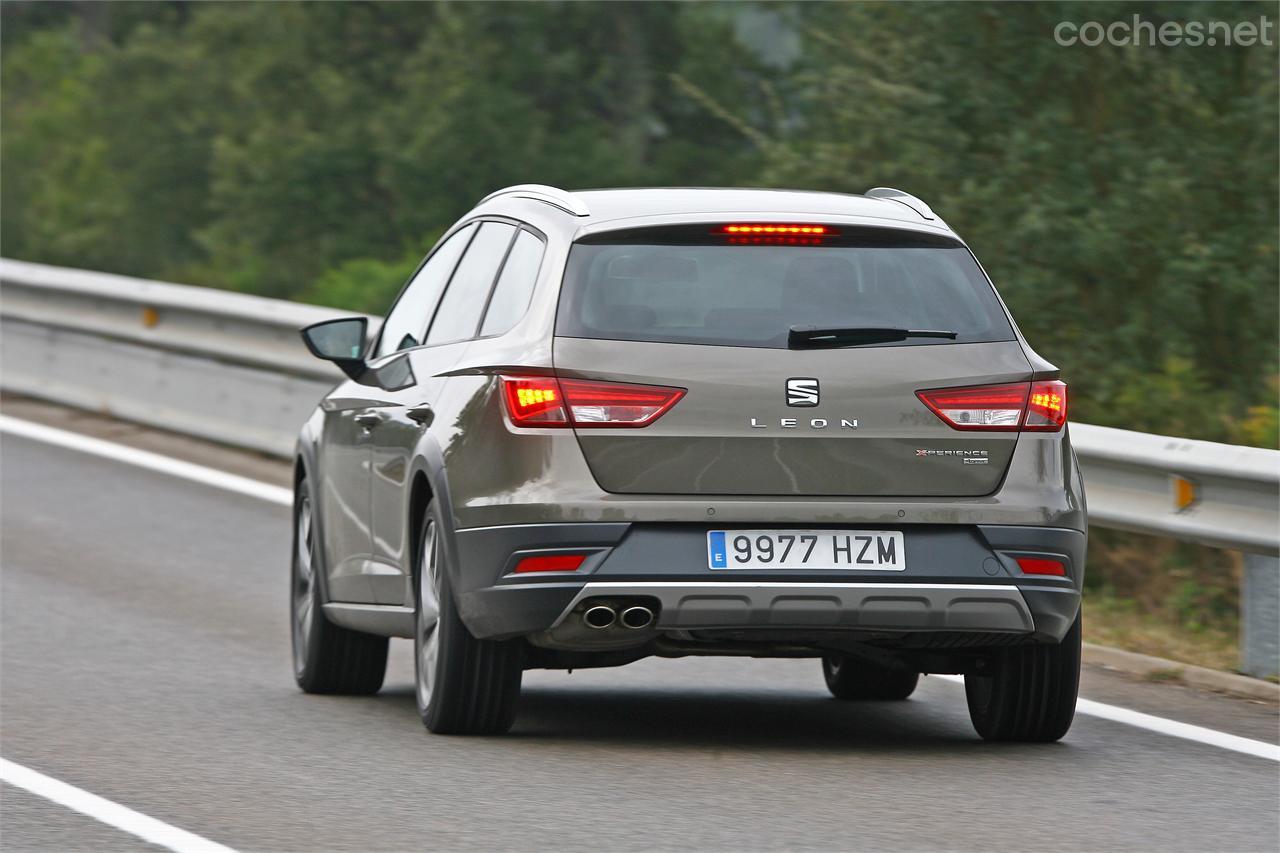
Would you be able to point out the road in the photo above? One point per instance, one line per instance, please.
(145, 659)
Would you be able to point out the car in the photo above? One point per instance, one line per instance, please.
(605, 425)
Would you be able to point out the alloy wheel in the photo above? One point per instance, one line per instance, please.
(427, 634)
(303, 583)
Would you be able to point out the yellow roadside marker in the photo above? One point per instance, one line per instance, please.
(1184, 492)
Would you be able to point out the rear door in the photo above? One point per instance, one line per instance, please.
(408, 408)
(697, 309)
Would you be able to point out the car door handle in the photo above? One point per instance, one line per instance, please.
(421, 414)
(369, 420)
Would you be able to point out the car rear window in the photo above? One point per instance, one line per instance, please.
(691, 287)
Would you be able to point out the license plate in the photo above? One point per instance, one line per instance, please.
(866, 550)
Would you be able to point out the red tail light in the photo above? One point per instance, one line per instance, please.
(545, 401)
(987, 407)
(1028, 406)
(534, 401)
(1047, 407)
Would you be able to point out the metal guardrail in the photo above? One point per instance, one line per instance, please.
(231, 367)
(1131, 481)
(215, 364)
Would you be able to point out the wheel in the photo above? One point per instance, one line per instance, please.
(1030, 693)
(849, 678)
(463, 685)
(326, 657)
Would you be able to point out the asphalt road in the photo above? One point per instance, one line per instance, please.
(144, 658)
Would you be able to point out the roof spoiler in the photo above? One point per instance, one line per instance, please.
(553, 196)
(890, 194)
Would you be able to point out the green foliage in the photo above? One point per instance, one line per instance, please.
(1124, 199)
(365, 284)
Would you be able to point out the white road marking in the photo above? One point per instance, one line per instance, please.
(1164, 726)
(112, 814)
(145, 459)
(276, 494)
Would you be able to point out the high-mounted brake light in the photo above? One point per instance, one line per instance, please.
(765, 228)
(1027, 406)
(774, 233)
(545, 401)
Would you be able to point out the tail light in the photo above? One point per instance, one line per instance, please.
(547, 401)
(1027, 406)
(534, 401)
(1047, 406)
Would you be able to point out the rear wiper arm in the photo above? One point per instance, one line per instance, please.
(813, 337)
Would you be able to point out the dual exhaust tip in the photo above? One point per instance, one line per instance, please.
(602, 616)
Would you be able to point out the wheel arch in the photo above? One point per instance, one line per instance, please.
(429, 482)
(305, 468)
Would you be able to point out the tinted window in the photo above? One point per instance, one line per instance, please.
(459, 312)
(515, 285)
(751, 295)
(408, 320)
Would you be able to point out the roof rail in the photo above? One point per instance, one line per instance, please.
(553, 196)
(890, 194)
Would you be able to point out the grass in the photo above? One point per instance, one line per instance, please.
(1111, 621)
(1169, 599)
(1173, 673)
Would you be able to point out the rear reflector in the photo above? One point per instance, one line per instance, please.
(1029, 406)
(1038, 566)
(551, 563)
(545, 401)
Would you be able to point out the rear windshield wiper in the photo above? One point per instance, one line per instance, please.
(814, 337)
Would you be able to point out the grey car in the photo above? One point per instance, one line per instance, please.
(605, 425)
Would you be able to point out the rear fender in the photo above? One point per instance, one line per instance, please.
(428, 461)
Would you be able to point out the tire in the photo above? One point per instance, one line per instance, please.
(1030, 695)
(849, 679)
(327, 658)
(462, 685)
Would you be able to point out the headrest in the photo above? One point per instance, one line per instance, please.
(628, 318)
(651, 266)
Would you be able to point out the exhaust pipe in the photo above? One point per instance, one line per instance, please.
(636, 618)
(599, 617)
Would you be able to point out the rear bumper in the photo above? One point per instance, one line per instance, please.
(959, 579)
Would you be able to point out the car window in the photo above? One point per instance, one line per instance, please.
(405, 325)
(515, 285)
(459, 311)
(752, 294)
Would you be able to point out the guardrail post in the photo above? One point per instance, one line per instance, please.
(1260, 616)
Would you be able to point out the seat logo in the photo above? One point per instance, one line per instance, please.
(802, 392)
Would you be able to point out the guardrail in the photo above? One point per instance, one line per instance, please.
(231, 368)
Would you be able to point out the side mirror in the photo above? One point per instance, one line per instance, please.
(340, 341)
